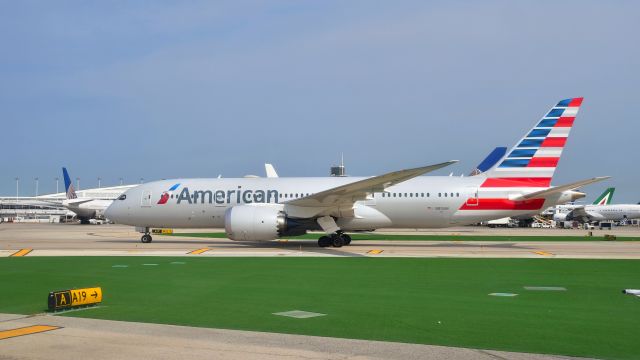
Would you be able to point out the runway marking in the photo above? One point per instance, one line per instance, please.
(150, 264)
(199, 251)
(375, 252)
(34, 329)
(22, 252)
(503, 294)
(545, 288)
(177, 263)
(543, 253)
(120, 266)
(299, 314)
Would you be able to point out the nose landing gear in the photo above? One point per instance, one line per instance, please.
(146, 237)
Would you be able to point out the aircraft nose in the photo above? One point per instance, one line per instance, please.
(111, 212)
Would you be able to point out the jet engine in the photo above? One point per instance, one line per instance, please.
(560, 216)
(249, 223)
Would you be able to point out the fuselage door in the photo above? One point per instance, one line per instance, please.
(472, 196)
(145, 201)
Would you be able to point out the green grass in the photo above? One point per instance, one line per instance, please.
(367, 236)
(430, 301)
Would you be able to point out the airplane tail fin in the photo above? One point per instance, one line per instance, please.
(68, 186)
(491, 159)
(606, 197)
(533, 160)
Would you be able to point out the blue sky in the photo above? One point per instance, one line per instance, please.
(160, 89)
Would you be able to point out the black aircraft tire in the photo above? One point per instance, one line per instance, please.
(346, 238)
(146, 238)
(324, 241)
(337, 241)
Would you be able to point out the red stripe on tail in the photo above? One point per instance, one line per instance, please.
(543, 162)
(554, 142)
(565, 121)
(575, 102)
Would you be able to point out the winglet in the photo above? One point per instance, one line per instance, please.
(270, 170)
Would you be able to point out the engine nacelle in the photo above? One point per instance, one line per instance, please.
(248, 223)
(560, 216)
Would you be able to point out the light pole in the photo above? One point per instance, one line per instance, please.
(17, 188)
(141, 180)
(99, 179)
(36, 179)
(57, 180)
(121, 180)
(77, 184)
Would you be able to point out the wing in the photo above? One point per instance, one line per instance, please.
(76, 202)
(561, 188)
(356, 191)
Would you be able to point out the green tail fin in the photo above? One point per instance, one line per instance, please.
(605, 198)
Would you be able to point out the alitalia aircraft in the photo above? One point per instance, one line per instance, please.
(254, 209)
(600, 210)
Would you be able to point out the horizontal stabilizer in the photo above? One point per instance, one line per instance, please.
(561, 188)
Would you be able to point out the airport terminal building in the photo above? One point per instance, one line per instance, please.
(49, 208)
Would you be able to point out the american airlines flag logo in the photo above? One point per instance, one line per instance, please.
(530, 164)
(165, 195)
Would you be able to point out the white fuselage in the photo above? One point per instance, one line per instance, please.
(91, 209)
(422, 202)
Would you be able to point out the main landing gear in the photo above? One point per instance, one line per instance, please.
(335, 240)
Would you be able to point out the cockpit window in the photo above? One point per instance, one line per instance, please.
(122, 197)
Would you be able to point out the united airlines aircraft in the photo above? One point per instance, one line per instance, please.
(254, 209)
(86, 208)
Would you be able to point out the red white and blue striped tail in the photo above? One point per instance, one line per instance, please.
(533, 160)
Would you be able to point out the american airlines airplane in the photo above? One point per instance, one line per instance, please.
(600, 210)
(252, 209)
